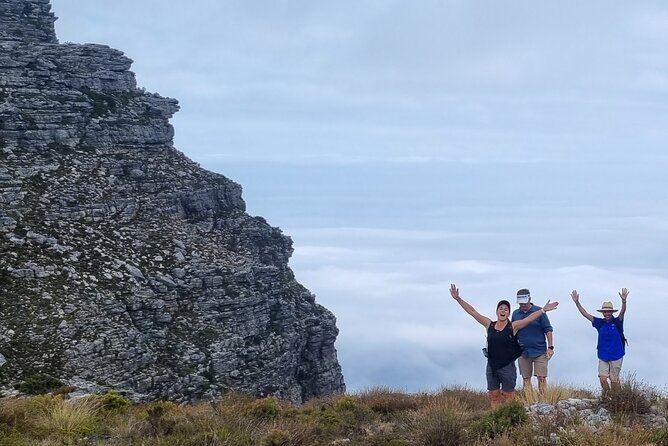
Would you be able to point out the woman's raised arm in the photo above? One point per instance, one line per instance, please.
(483, 320)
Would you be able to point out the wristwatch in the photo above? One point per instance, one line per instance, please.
(551, 347)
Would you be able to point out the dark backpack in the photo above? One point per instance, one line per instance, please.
(517, 347)
(620, 330)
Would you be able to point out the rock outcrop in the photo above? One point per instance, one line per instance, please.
(123, 264)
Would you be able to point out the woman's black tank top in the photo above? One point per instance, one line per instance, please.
(499, 346)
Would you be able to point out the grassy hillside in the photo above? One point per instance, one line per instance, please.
(376, 417)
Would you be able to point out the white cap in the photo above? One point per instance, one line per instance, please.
(523, 298)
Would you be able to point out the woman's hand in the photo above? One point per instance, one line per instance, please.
(575, 296)
(454, 291)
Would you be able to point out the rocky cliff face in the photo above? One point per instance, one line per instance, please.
(123, 264)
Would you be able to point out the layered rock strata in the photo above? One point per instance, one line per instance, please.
(123, 264)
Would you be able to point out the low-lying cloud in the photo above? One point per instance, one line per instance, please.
(400, 327)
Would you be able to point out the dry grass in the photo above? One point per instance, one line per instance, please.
(469, 399)
(378, 416)
(387, 401)
(439, 421)
(14, 411)
(554, 393)
(67, 419)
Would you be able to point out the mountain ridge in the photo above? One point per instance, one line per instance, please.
(124, 263)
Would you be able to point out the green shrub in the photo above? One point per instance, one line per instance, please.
(346, 403)
(161, 407)
(39, 384)
(326, 419)
(158, 420)
(265, 408)
(112, 400)
(503, 419)
(352, 411)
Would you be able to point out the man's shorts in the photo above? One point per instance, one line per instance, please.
(610, 368)
(504, 378)
(533, 366)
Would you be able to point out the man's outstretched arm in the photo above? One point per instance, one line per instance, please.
(576, 299)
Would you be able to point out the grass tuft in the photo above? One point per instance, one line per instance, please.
(438, 423)
(67, 419)
(632, 397)
(386, 401)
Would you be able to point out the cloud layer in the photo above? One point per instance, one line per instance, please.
(400, 327)
(405, 146)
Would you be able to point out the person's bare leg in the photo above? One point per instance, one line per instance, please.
(507, 396)
(604, 384)
(542, 384)
(495, 398)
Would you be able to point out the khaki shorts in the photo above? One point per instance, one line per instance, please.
(533, 366)
(610, 368)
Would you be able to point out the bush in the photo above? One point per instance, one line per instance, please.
(265, 408)
(158, 420)
(112, 400)
(39, 384)
(330, 421)
(346, 404)
(160, 408)
(503, 419)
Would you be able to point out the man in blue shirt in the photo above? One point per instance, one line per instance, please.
(610, 345)
(536, 340)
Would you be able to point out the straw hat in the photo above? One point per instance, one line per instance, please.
(607, 306)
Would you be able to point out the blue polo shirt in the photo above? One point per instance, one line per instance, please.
(532, 337)
(610, 346)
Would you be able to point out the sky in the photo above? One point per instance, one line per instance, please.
(405, 146)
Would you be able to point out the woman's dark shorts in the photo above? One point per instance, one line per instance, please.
(504, 378)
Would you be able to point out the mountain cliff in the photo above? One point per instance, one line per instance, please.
(123, 264)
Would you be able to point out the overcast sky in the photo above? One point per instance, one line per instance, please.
(406, 145)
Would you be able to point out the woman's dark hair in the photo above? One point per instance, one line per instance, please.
(503, 302)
